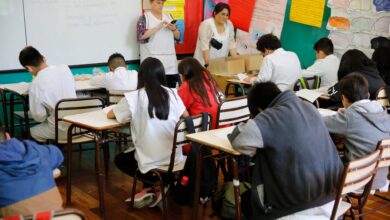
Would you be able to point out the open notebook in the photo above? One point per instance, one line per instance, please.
(20, 88)
(309, 95)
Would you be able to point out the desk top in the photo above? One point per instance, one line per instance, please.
(96, 120)
(216, 139)
(237, 81)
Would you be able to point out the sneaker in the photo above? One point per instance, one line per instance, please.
(143, 198)
(158, 197)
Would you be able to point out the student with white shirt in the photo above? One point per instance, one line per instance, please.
(279, 66)
(119, 77)
(51, 84)
(154, 110)
(326, 65)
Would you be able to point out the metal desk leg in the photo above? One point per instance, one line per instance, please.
(5, 112)
(197, 184)
(100, 175)
(236, 184)
(69, 166)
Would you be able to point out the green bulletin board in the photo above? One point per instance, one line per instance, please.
(300, 38)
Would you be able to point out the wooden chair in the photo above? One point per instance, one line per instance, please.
(357, 174)
(66, 214)
(233, 111)
(23, 117)
(167, 174)
(382, 97)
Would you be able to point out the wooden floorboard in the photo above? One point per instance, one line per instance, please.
(118, 187)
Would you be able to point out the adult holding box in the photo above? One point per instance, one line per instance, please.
(156, 34)
(216, 36)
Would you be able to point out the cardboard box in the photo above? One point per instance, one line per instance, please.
(222, 81)
(252, 62)
(227, 65)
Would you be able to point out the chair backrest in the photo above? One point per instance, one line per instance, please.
(313, 82)
(357, 174)
(179, 139)
(384, 147)
(233, 111)
(74, 106)
(114, 96)
(382, 97)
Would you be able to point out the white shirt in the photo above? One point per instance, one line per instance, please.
(120, 79)
(50, 86)
(152, 137)
(281, 67)
(326, 68)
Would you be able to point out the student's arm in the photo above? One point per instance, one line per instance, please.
(313, 70)
(37, 109)
(246, 137)
(121, 111)
(337, 123)
(266, 70)
(97, 81)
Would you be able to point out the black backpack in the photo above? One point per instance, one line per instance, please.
(184, 194)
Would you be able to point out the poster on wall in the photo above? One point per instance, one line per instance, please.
(353, 24)
(268, 17)
(309, 12)
(176, 9)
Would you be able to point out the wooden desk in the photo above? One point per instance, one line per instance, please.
(216, 139)
(236, 82)
(96, 122)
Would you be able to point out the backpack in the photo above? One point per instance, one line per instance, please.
(183, 190)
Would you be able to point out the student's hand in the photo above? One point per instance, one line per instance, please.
(341, 110)
(247, 79)
(110, 114)
(172, 27)
(7, 136)
(161, 25)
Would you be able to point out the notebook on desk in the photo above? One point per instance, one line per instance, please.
(309, 95)
(19, 88)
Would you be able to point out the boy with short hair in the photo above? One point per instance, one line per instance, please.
(363, 122)
(326, 65)
(51, 84)
(119, 77)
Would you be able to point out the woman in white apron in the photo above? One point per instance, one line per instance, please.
(156, 35)
(216, 36)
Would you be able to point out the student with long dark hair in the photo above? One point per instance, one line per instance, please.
(199, 90)
(381, 57)
(356, 61)
(153, 110)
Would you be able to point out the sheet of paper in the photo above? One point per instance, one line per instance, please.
(20, 88)
(241, 13)
(326, 112)
(241, 76)
(309, 12)
(309, 95)
(268, 17)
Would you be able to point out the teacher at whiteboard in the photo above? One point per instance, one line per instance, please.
(156, 33)
(216, 36)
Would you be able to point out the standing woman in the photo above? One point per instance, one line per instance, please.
(156, 36)
(216, 36)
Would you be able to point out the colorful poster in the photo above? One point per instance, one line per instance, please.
(309, 12)
(241, 13)
(268, 17)
(209, 7)
(176, 9)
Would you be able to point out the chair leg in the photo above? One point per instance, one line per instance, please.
(164, 200)
(133, 191)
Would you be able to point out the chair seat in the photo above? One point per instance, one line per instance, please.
(78, 139)
(176, 168)
(343, 208)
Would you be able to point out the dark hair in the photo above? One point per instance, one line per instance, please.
(151, 77)
(268, 41)
(325, 45)
(197, 76)
(353, 61)
(116, 60)
(30, 56)
(380, 42)
(2, 134)
(219, 7)
(260, 95)
(381, 57)
(354, 86)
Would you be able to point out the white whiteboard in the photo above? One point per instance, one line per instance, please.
(12, 34)
(76, 32)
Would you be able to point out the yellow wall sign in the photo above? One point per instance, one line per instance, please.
(309, 12)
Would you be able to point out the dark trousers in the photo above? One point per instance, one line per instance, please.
(129, 165)
(173, 80)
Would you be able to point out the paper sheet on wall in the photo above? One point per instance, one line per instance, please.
(268, 17)
(241, 13)
(309, 12)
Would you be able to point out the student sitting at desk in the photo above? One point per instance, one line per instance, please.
(279, 66)
(326, 65)
(154, 110)
(27, 185)
(119, 78)
(199, 90)
(51, 84)
(363, 122)
(297, 169)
